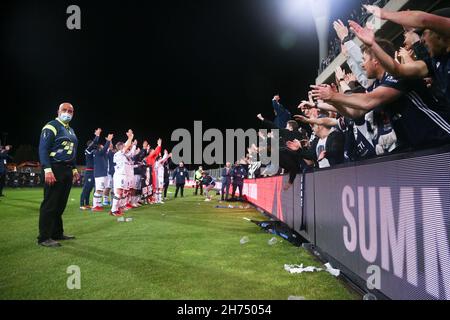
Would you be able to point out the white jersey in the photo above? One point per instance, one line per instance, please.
(129, 171)
(159, 170)
(121, 161)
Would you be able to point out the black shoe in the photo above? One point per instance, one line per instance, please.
(65, 237)
(50, 243)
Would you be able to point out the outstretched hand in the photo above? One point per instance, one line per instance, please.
(301, 118)
(322, 92)
(294, 145)
(130, 134)
(341, 29)
(366, 35)
(375, 10)
(76, 177)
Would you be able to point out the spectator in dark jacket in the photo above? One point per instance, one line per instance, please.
(4, 158)
(282, 115)
(166, 178)
(238, 174)
(180, 174)
(326, 150)
(226, 181)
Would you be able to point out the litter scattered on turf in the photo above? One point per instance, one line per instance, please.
(244, 240)
(292, 268)
(296, 298)
(233, 207)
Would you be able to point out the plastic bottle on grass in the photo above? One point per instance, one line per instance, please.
(272, 241)
(244, 240)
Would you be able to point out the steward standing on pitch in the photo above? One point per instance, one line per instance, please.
(57, 154)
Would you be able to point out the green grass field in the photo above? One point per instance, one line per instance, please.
(184, 249)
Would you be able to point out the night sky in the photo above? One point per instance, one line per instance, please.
(153, 66)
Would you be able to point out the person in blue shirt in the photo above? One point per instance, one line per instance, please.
(238, 174)
(282, 115)
(88, 181)
(226, 181)
(100, 173)
(4, 158)
(57, 154)
(179, 175)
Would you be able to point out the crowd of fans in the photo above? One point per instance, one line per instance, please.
(384, 100)
(334, 47)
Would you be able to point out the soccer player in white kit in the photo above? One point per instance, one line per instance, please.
(129, 172)
(159, 170)
(120, 175)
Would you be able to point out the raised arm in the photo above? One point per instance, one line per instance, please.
(416, 69)
(413, 19)
(329, 122)
(360, 101)
(129, 142)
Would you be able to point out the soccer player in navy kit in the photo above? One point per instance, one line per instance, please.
(109, 185)
(57, 154)
(89, 182)
(100, 173)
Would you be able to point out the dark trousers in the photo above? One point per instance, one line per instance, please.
(54, 203)
(2, 181)
(180, 186)
(166, 186)
(198, 184)
(290, 162)
(89, 183)
(235, 186)
(225, 190)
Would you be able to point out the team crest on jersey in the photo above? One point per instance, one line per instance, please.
(391, 79)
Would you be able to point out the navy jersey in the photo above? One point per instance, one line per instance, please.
(140, 164)
(180, 174)
(58, 144)
(417, 118)
(358, 134)
(439, 70)
(101, 161)
(89, 154)
(111, 163)
(208, 180)
(4, 158)
(239, 174)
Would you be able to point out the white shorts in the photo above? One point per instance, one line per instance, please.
(120, 181)
(160, 180)
(100, 183)
(137, 182)
(130, 182)
(109, 182)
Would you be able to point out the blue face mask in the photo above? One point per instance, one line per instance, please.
(65, 117)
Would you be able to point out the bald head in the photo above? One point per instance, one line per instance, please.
(65, 107)
(65, 112)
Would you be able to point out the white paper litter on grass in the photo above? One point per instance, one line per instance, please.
(293, 268)
(246, 219)
(330, 269)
